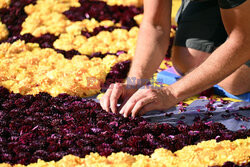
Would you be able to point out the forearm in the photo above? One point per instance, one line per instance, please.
(220, 64)
(151, 48)
(153, 39)
(225, 60)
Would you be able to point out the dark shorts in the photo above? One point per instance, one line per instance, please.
(200, 26)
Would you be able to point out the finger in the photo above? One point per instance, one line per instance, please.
(123, 104)
(148, 107)
(130, 93)
(128, 107)
(101, 102)
(122, 108)
(106, 98)
(115, 95)
(139, 105)
(126, 110)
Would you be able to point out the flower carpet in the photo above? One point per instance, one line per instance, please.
(55, 54)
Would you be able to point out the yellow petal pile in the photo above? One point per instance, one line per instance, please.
(28, 69)
(46, 17)
(137, 3)
(3, 31)
(104, 42)
(4, 3)
(204, 154)
(72, 38)
(138, 18)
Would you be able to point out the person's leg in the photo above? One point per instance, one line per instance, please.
(200, 31)
(238, 82)
(186, 59)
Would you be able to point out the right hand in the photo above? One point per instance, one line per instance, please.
(116, 92)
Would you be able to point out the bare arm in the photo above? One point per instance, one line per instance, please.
(152, 44)
(220, 64)
(153, 38)
(223, 61)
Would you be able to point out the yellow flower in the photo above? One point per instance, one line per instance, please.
(31, 70)
(204, 154)
(46, 17)
(4, 3)
(3, 30)
(137, 3)
(138, 18)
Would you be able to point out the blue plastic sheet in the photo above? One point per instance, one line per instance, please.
(198, 109)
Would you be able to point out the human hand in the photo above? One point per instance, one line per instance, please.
(116, 92)
(148, 98)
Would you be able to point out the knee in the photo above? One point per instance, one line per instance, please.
(234, 90)
(186, 59)
(238, 82)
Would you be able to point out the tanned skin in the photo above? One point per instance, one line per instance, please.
(224, 66)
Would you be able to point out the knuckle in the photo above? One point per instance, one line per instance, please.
(149, 90)
(152, 94)
(132, 102)
(115, 86)
(118, 84)
(109, 94)
(153, 97)
(111, 86)
(141, 103)
(114, 96)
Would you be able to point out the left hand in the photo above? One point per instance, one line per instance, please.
(148, 98)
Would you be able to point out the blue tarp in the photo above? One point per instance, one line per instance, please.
(223, 113)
